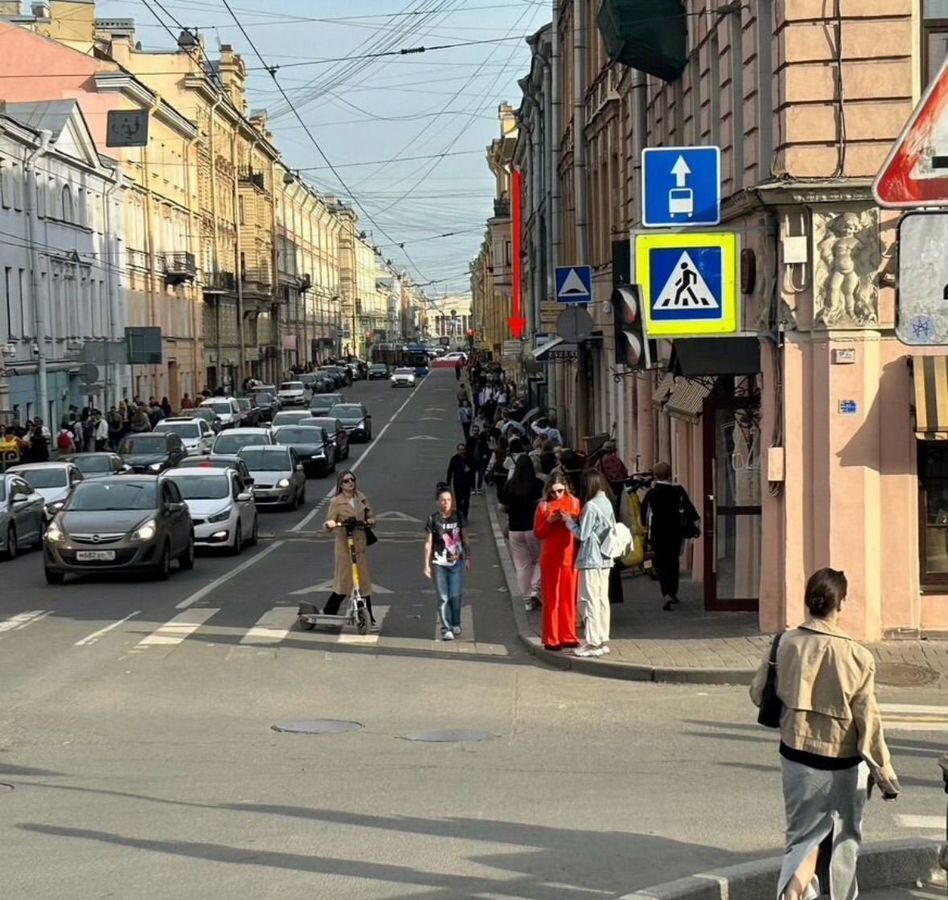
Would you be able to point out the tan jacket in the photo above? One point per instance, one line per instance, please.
(826, 681)
(339, 510)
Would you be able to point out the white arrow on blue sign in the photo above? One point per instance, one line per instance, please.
(681, 186)
(574, 284)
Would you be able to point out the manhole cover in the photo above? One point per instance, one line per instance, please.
(5, 787)
(317, 726)
(904, 674)
(450, 736)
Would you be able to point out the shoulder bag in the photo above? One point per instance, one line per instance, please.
(770, 704)
(688, 526)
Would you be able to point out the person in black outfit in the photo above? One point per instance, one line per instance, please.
(461, 478)
(668, 509)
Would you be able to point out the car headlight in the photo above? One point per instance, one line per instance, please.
(283, 482)
(54, 534)
(221, 516)
(155, 467)
(146, 532)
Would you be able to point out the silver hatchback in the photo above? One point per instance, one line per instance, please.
(278, 476)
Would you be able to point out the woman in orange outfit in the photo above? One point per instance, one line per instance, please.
(557, 554)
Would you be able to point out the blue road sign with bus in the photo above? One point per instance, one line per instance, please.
(681, 186)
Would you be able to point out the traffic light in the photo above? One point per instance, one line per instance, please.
(633, 348)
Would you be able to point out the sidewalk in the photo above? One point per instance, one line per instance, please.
(691, 645)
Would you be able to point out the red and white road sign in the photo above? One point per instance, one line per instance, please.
(915, 172)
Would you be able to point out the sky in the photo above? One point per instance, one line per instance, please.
(374, 117)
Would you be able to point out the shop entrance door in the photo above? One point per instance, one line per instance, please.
(732, 510)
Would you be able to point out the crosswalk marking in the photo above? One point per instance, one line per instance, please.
(175, 630)
(928, 823)
(914, 717)
(467, 625)
(21, 620)
(274, 625)
(92, 638)
(353, 637)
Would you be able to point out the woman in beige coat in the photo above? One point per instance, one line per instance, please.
(349, 503)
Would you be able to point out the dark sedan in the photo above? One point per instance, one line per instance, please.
(355, 419)
(152, 452)
(267, 404)
(249, 413)
(337, 434)
(203, 412)
(315, 450)
(378, 370)
(131, 523)
(218, 461)
(98, 465)
(320, 404)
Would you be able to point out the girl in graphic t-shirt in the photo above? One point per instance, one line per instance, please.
(447, 556)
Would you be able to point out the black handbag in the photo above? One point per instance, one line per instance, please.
(688, 526)
(770, 704)
(370, 537)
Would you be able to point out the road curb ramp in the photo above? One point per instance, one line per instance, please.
(883, 865)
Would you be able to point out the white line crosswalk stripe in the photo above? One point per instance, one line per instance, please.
(352, 637)
(21, 620)
(272, 627)
(175, 630)
(926, 823)
(913, 717)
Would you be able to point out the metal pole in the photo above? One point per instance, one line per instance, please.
(39, 303)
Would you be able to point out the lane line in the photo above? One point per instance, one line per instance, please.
(352, 637)
(92, 638)
(175, 630)
(21, 620)
(934, 823)
(217, 582)
(274, 625)
(913, 709)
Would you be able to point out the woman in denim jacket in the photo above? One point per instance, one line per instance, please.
(593, 525)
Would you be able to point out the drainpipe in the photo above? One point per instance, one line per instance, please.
(112, 260)
(241, 361)
(39, 312)
(555, 138)
(212, 134)
(579, 194)
(189, 146)
(150, 248)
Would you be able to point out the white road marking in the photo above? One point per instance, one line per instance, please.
(92, 638)
(929, 823)
(397, 517)
(351, 637)
(274, 625)
(913, 709)
(914, 717)
(21, 620)
(175, 630)
(327, 586)
(217, 582)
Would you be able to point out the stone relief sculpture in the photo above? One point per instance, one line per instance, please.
(847, 267)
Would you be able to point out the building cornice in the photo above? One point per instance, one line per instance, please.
(129, 86)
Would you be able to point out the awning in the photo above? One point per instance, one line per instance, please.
(665, 386)
(693, 357)
(687, 400)
(931, 397)
(543, 349)
(556, 349)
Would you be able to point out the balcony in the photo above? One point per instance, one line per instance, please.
(179, 267)
(256, 281)
(628, 29)
(219, 283)
(502, 208)
(249, 176)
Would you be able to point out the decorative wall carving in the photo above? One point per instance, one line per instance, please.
(846, 263)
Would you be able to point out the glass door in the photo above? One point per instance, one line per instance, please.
(732, 506)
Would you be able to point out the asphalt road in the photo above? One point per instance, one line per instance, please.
(136, 729)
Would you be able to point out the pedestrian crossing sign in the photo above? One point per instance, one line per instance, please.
(689, 283)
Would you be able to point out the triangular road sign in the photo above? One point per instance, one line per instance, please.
(573, 286)
(327, 585)
(915, 173)
(685, 288)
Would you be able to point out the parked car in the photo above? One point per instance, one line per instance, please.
(292, 393)
(267, 404)
(334, 430)
(278, 476)
(322, 403)
(312, 445)
(236, 438)
(378, 370)
(99, 465)
(52, 480)
(21, 515)
(403, 378)
(226, 408)
(325, 383)
(357, 369)
(151, 451)
(213, 461)
(196, 435)
(249, 413)
(205, 413)
(129, 523)
(355, 419)
(220, 505)
(289, 417)
(340, 374)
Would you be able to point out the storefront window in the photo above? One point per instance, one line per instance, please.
(934, 38)
(933, 510)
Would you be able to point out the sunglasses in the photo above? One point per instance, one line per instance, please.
(348, 479)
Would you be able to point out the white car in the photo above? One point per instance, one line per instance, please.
(53, 481)
(230, 442)
(227, 410)
(403, 378)
(454, 356)
(220, 505)
(292, 393)
(196, 434)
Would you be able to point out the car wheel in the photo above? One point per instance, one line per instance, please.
(186, 560)
(163, 568)
(238, 540)
(54, 577)
(10, 547)
(253, 539)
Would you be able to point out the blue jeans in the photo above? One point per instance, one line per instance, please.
(449, 581)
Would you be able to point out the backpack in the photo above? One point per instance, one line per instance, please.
(65, 442)
(617, 541)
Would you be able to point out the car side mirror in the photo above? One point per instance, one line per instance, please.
(244, 496)
(20, 499)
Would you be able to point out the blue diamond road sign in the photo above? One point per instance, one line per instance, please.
(681, 186)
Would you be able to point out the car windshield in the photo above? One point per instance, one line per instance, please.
(94, 496)
(404, 371)
(144, 445)
(327, 399)
(222, 409)
(182, 429)
(203, 487)
(288, 418)
(290, 434)
(93, 465)
(263, 399)
(231, 443)
(44, 478)
(243, 403)
(291, 386)
(347, 413)
(378, 367)
(266, 459)
(314, 422)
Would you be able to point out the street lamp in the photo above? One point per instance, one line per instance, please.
(7, 355)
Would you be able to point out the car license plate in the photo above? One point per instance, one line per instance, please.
(95, 555)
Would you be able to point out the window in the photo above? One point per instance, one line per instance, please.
(933, 511)
(6, 189)
(934, 38)
(242, 218)
(69, 213)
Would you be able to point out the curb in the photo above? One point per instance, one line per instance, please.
(888, 864)
(623, 671)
